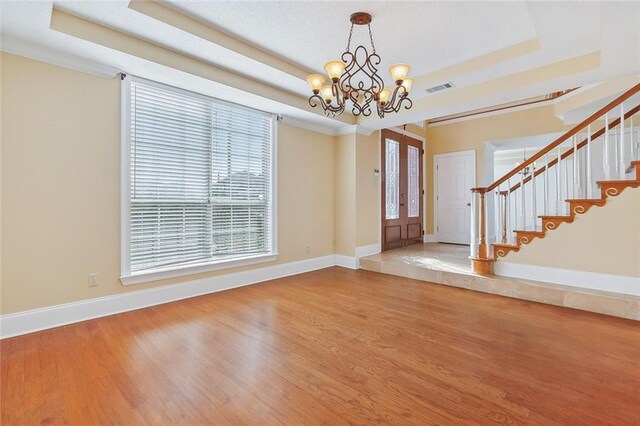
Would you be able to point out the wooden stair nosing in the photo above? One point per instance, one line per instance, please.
(594, 201)
(556, 217)
(634, 164)
(524, 231)
(627, 182)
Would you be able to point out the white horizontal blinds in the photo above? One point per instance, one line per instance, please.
(241, 179)
(200, 179)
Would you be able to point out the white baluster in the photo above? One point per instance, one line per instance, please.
(545, 198)
(566, 179)
(498, 214)
(534, 209)
(508, 211)
(589, 183)
(634, 148)
(616, 153)
(623, 166)
(523, 218)
(558, 185)
(605, 153)
(576, 184)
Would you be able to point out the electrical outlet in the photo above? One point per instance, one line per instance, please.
(93, 279)
(308, 249)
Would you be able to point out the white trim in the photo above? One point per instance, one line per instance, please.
(129, 278)
(498, 112)
(309, 125)
(69, 313)
(430, 238)
(364, 251)
(274, 184)
(56, 57)
(125, 176)
(408, 133)
(581, 279)
(435, 183)
(182, 270)
(346, 261)
(355, 129)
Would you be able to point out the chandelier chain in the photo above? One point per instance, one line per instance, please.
(350, 34)
(373, 46)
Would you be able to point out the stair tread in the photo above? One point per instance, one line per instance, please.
(555, 217)
(506, 245)
(529, 231)
(587, 200)
(599, 182)
(632, 165)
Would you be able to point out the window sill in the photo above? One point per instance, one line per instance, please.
(180, 271)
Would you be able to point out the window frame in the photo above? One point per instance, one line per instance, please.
(126, 276)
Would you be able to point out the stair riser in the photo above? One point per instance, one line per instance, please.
(613, 189)
(550, 224)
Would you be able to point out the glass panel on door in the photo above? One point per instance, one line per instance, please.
(392, 171)
(413, 168)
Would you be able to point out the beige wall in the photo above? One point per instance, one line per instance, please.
(604, 240)
(61, 188)
(345, 195)
(367, 189)
(473, 134)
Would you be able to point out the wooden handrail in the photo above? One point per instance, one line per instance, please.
(613, 124)
(617, 101)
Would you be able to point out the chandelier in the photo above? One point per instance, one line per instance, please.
(525, 172)
(355, 78)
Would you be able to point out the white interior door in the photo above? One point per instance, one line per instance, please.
(455, 176)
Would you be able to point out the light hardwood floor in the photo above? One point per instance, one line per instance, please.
(333, 346)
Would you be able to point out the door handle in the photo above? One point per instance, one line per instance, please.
(468, 204)
(401, 204)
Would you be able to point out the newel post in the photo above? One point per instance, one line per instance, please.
(481, 257)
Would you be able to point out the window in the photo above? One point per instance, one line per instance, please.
(197, 183)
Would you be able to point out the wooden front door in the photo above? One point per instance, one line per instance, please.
(402, 191)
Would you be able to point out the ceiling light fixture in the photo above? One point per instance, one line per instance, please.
(356, 78)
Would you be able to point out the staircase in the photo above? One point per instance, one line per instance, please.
(579, 170)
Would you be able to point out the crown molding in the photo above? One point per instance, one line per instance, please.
(309, 125)
(55, 57)
(163, 12)
(112, 38)
(408, 133)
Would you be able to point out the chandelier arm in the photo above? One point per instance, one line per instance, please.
(336, 93)
(392, 101)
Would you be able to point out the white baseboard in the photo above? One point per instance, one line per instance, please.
(68, 313)
(430, 238)
(583, 279)
(369, 250)
(346, 261)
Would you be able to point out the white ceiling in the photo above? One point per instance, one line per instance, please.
(427, 35)
(430, 36)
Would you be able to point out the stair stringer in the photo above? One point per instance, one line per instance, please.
(603, 240)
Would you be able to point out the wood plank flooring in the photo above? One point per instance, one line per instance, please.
(334, 347)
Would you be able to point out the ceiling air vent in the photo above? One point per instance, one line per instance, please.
(440, 87)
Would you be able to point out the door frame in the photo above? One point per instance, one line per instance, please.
(435, 183)
(425, 168)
